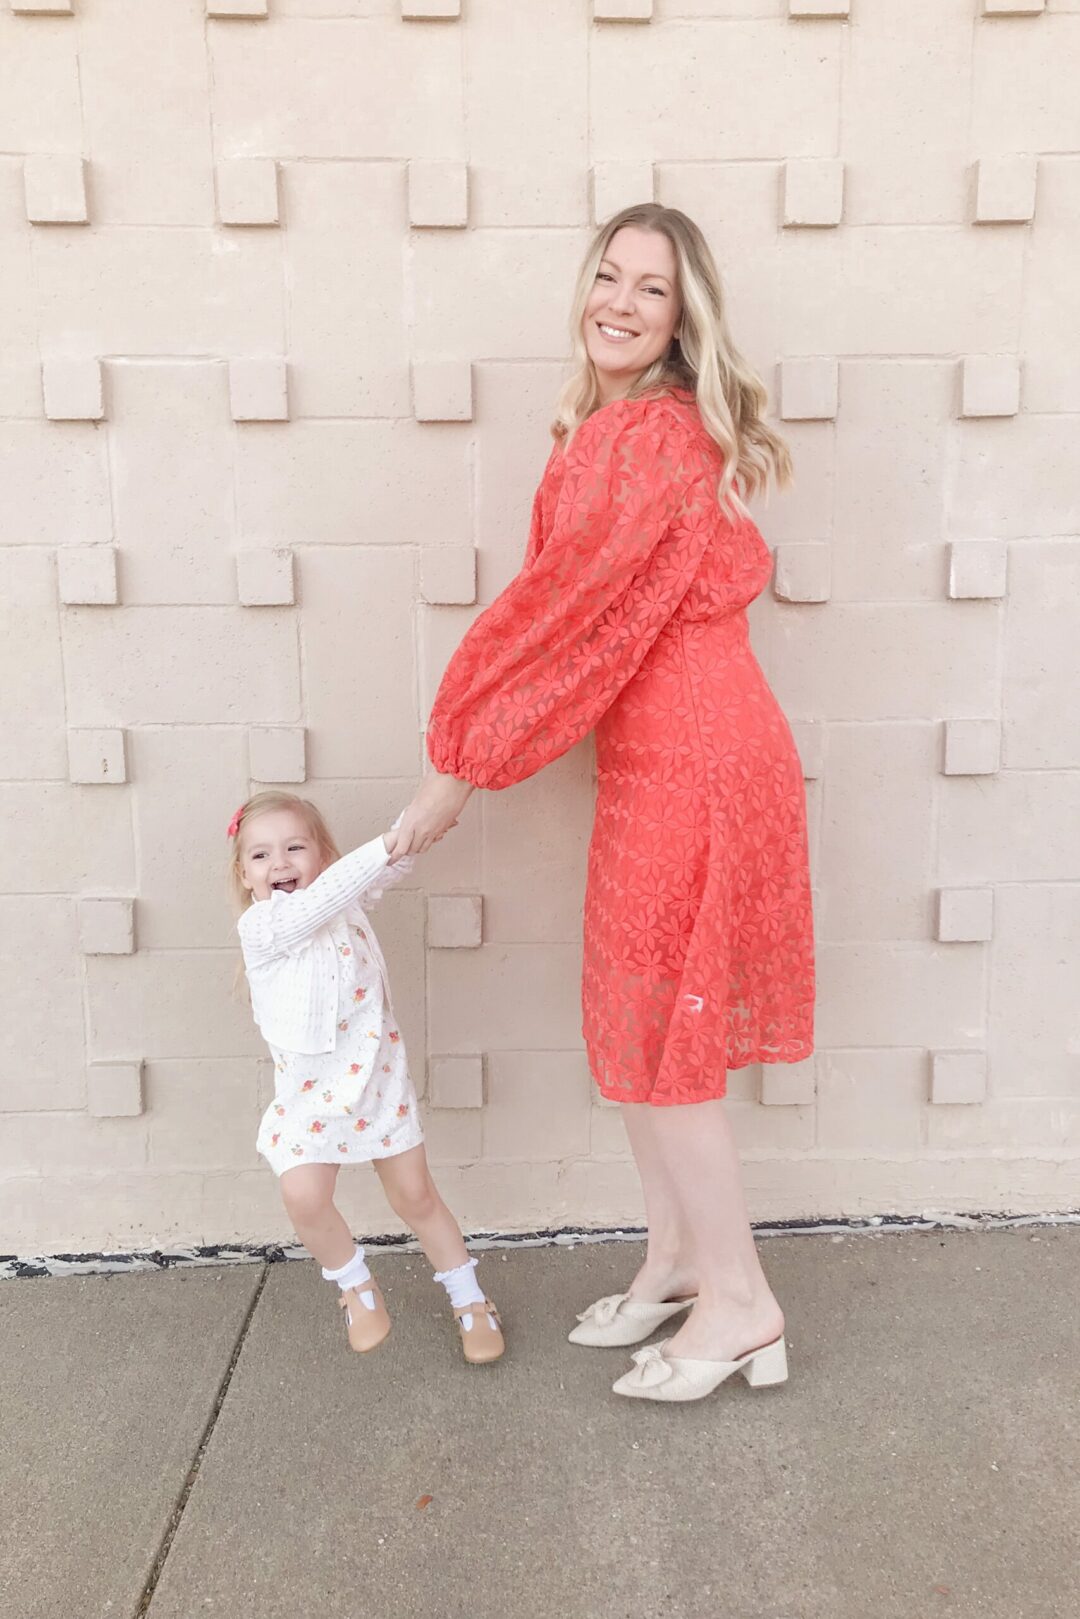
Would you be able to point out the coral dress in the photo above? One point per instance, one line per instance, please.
(629, 616)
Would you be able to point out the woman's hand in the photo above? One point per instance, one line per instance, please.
(438, 802)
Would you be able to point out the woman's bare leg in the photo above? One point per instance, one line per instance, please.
(308, 1194)
(669, 1270)
(736, 1310)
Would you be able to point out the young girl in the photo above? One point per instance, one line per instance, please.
(321, 1000)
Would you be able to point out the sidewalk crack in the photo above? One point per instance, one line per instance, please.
(158, 1566)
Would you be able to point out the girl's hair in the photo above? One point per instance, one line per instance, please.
(730, 396)
(265, 803)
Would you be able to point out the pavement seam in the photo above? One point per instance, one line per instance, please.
(157, 1568)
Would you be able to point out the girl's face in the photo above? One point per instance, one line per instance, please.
(633, 309)
(278, 852)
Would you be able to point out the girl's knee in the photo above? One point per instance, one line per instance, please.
(306, 1193)
(413, 1199)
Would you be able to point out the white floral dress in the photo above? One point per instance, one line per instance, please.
(356, 1102)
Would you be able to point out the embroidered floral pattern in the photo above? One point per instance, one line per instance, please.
(628, 616)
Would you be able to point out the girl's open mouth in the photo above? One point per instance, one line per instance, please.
(286, 887)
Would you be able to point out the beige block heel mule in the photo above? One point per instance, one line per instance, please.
(656, 1377)
(618, 1320)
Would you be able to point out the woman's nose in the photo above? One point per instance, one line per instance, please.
(622, 299)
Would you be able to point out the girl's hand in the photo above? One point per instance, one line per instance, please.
(436, 808)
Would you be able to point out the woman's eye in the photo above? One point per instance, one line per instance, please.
(602, 275)
(658, 290)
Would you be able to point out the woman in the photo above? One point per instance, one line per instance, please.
(629, 616)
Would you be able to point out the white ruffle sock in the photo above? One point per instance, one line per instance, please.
(354, 1273)
(462, 1288)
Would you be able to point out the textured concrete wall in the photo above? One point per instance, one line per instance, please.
(283, 289)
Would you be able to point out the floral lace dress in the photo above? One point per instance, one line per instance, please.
(629, 616)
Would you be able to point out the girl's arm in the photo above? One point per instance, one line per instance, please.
(282, 924)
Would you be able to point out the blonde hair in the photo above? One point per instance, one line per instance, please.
(731, 397)
(266, 803)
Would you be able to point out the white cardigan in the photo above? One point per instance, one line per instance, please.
(290, 958)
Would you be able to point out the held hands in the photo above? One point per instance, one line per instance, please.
(438, 803)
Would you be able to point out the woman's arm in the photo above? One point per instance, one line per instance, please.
(539, 667)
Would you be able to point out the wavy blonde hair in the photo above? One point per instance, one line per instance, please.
(266, 803)
(731, 397)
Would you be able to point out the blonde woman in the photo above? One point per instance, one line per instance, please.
(628, 616)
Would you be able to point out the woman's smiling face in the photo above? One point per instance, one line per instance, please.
(633, 309)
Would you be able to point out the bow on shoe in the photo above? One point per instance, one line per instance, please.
(604, 1311)
(652, 1368)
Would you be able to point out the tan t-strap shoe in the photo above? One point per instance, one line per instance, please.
(481, 1342)
(367, 1328)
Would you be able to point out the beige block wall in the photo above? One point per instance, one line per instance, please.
(283, 302)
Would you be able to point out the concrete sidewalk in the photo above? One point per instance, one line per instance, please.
(922, 1460)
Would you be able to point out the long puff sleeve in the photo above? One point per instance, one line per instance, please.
(283, 924)
(545, 661)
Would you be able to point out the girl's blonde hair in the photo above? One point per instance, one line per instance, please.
(266, 803)
(731, 397)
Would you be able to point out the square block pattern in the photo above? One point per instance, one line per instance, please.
(247, 191)
(96, 758)
(238, 8)
(972, 747)
(455, 921)
(978, 570)
(265, 577)
(813, 191)
(55, 189)
(259, 389)
(803, 573)
(277, 753)
(87, 575)
(106, 927)
(965, 915)
(622, 10)
(429, 10)
(788, 1084)
(448, 574)
(620, 185)
(457, 1082)
(989, 385)
(958, 1078)
(114, 1090)
(73, 390)
(809, 390)
(438, 194)
(1005, 189)
(819, 8)
(442, 391)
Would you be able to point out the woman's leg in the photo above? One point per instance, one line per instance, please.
(669, 1270)
(736, 1310)
(414, 1198)
(308, 1194)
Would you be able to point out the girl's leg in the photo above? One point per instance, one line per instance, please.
(736, 1310)
(308, 1194)
(414, 1198)
(669, 1270)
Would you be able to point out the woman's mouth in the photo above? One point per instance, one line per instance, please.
(616, 334)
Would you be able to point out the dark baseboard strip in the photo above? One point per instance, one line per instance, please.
(152, 1259)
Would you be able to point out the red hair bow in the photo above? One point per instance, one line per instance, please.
(234, 824)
